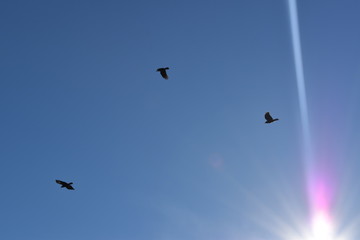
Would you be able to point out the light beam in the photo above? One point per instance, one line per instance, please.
(319, 197)
(299, 71)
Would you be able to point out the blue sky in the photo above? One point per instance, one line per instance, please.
(182, 159)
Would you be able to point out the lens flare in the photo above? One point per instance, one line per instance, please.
(319, 191)
(320, 195)
(322, 227)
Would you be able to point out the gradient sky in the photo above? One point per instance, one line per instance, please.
(185, 159)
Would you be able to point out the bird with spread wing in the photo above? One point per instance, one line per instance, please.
(65, 184)
(163, 72)
(269, 118)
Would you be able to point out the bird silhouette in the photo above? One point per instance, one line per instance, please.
(163, 72)
(269, 118)
(65, 184)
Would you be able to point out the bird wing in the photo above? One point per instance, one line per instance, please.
(268, 116)
(163, 74)
(69, 187)
(60, 182)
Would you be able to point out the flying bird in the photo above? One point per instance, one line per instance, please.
(163, 72)
(269, 118)
(65, 184)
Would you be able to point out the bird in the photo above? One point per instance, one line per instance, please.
(65, 184)
(163, 72)
(269, 118)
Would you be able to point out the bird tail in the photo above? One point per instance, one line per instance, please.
(71, 183)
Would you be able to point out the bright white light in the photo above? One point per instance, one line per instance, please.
(322, 227)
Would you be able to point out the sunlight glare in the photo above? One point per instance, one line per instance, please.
(322, 227)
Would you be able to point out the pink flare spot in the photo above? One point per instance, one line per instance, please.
(216, 161)
(321, 190)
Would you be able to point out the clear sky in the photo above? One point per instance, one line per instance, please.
(188, 158)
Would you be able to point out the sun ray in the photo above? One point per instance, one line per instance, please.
(319, 191)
